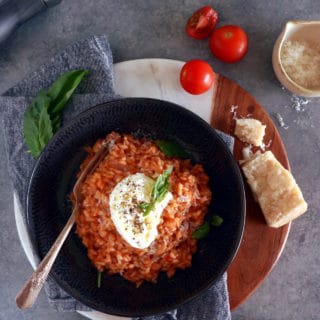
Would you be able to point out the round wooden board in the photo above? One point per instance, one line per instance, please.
(261, 245)
(158, 78)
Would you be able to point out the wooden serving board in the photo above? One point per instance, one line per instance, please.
(261, 245)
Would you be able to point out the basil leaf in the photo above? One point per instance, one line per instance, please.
(42, 118)
(148, 209)
(171, 149)
(161, 186)
(62, 89)
(56, 122)
(145, 208)
(216, 221)
(99, 279)
(37, 128)
(202, 231)
(158, 192)
(45, 128)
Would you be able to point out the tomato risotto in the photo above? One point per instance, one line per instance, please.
(184, 213)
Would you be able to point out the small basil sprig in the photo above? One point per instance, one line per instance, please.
(204, 229)
(171, 149)
(42, 119)
(159, 191)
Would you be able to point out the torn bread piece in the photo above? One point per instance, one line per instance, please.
(250, 130)
(275, 189)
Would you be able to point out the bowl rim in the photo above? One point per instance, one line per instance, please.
(242, 209)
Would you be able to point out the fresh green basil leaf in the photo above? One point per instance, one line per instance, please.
(42, 118)
(145, 208)
(56, 123)
(148, 209)
(158, 192)
(162, 185)
(202, 231)
(37, 128)
(216, 220)
(62, 89)
(171, 149)
(45, 128)
(99, 279)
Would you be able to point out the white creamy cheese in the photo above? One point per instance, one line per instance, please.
(136, 229)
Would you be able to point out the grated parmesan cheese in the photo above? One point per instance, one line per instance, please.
(281, 121)
(298, 103)
(302, 63)
(233, 110)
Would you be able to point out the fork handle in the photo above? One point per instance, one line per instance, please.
(30, 291)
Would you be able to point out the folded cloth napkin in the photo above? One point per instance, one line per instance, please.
(93, 54)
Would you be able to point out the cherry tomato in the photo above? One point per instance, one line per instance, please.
(201, 24)
(196, 76)
(229, 43)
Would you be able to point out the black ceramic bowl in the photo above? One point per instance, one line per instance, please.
(49, 207)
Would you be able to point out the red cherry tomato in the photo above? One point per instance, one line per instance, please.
(196, 76)
(229, 43)
(201, 24)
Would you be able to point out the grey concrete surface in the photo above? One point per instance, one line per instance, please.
(146, 29)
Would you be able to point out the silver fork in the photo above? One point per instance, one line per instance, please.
(30, 291)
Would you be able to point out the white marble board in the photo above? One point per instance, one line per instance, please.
(149, 78)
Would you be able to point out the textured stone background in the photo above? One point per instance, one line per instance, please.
(147, 29)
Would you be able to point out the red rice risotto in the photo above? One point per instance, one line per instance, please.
(174, 245)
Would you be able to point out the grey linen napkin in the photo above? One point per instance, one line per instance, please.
(93, 54)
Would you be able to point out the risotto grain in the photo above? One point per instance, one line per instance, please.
(173, 248)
